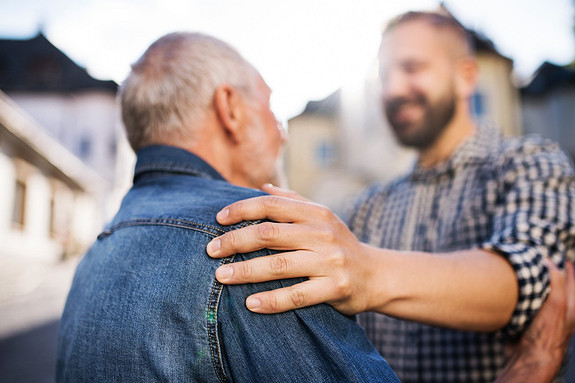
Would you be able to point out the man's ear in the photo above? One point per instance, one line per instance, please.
(466, 79)
(230, 110)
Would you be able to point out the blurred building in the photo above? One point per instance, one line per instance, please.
(76, 109)
(340, 144)
(48, 198)
(548, 102)
(69, 115)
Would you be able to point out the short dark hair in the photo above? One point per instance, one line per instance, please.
(437, 20)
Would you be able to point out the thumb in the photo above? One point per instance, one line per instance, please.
(274, 190)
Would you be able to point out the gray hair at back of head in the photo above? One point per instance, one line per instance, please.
(171, 87)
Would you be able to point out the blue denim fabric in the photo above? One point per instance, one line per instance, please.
(145, 305)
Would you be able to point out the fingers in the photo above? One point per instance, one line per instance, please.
(274, 208)
(277, 266)
(274, 190)
(570, 291)
(557, 281)
(308, 293)
(562, 295)
(275, 236)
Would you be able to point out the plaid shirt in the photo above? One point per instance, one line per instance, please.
(514, 197)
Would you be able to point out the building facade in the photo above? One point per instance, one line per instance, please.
(49, 206)
(548, 102)
(77, 110)
(64, 159)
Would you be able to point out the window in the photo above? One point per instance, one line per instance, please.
(113, 148)
(85, 147)
(324, 154)
(477, 105)
(52, 216)
(19, 207)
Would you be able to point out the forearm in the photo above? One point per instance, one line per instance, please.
(470, 290)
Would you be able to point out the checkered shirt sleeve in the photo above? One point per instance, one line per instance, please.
(535, 219)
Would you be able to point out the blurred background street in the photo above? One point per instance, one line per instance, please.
(32, 296)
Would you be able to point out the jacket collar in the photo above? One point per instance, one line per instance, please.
(169, 159)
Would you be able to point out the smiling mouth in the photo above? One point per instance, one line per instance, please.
(407, 112)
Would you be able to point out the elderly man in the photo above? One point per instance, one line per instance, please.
(446, 261)
(145, 305)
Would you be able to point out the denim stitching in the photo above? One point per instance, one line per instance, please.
(159, 166)
(212, 325)
(208, 229)
(212, 320)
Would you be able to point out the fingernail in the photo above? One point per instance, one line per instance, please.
(224, 272)
(223, 214)
(253, 303)
(214, 246)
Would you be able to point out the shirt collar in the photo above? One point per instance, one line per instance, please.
(169, 159)
(475, 149)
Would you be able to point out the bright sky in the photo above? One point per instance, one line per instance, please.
(305, 49)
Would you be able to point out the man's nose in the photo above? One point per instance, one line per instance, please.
(394, 84)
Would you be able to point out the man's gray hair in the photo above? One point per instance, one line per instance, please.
(171, 87)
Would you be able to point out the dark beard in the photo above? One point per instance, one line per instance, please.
(435, 120)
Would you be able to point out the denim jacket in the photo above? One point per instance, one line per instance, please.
(145, 306)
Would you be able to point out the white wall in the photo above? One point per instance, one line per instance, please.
(78, 217)
(72, 118)
(93, 114)
(7, 179)
(33, 239)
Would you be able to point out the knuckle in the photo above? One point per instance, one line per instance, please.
(278, 265)
(229, 239)
(229, 243)
(273, 303)
(243, 270)
(297, 298)
(324, 213)
(271, 202)
(337, 259)
(342, 287)
(267, 231)
(328, 235)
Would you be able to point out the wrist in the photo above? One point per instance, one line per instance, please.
(381, 279)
